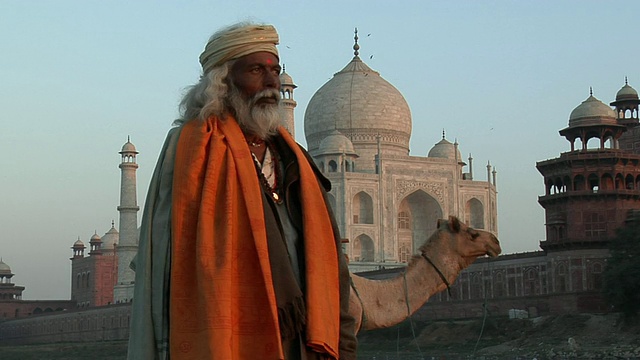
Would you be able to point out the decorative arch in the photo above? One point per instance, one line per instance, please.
(474, 213)
(628, 182)
(499, 288)
(333, 166)
(424, 211)
(362, 208)
(619, 181)
(607, 182)
(594, 183)
(530, 282)
(561, 278)
(363, 249)
(579, 183)
(593, 142)
(595, 278)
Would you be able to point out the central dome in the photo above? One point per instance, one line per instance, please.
(364, 107)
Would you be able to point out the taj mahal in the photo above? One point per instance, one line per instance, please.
(387, 202)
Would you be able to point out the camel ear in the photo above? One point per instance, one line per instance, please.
(454, 224)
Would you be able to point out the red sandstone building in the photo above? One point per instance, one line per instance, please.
(590, 191)
(11, 304)
(94, 277)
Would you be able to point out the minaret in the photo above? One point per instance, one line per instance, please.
(288, 103)
(128, 242)
(627, 105)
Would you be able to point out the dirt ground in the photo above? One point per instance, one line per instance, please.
(558, 337)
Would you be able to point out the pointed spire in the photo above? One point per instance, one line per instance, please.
(113, 224)
(128, 138)
(283, 68)
(443, 134)
(590, 91)
(356, 47)
(626, 82)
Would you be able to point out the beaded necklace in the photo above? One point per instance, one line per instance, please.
(268, 173)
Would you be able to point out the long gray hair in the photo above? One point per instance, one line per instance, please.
(207, 97)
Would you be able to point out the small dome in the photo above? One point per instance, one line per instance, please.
(627, 93)
(128, 147)
(592, 112)
(95, 238)
(285, 79)
(78, 243)
(4, 268)
(336, 143)
(110, 238)
(445, 150)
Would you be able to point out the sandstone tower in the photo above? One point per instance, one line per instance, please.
(128, 245)
(288, 103)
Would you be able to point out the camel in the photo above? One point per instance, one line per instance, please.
(377, 304)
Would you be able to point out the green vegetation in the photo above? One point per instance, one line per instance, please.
(622, 274)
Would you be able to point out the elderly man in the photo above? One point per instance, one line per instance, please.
(239, 255)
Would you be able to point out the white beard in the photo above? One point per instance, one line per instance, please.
(261, 120)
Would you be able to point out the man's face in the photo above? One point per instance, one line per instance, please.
(257, 72)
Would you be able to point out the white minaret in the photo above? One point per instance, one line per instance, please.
(128, 243)
(287, 102)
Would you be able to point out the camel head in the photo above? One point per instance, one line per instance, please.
(455, 242)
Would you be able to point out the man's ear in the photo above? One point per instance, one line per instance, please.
(454, 224)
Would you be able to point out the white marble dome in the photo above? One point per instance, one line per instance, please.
(336, 143)
(110, 238)
(362, 106)
(4, 268)
(444, 149)
(128, 147)
(592, 112)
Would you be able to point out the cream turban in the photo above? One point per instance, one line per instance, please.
(238, 42)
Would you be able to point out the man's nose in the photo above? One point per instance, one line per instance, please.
(271, 80)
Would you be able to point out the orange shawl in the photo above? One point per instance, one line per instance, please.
(222, 301)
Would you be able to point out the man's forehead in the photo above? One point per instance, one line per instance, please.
(260, 58)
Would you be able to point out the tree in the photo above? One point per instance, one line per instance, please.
(622, 273)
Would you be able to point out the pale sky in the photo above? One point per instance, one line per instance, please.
(78, 77)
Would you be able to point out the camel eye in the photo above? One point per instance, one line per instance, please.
(474, 234)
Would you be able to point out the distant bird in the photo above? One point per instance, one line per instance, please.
(369, 34)
(371, 57)
(287, 46)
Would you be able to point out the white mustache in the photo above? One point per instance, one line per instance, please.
(266, 94)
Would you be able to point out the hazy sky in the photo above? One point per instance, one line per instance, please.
(78, 77)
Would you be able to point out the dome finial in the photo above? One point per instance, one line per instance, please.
(625, 81)
(283, 68)
(356, 47)
(113, 224)
(590, 91)
(442, 134)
